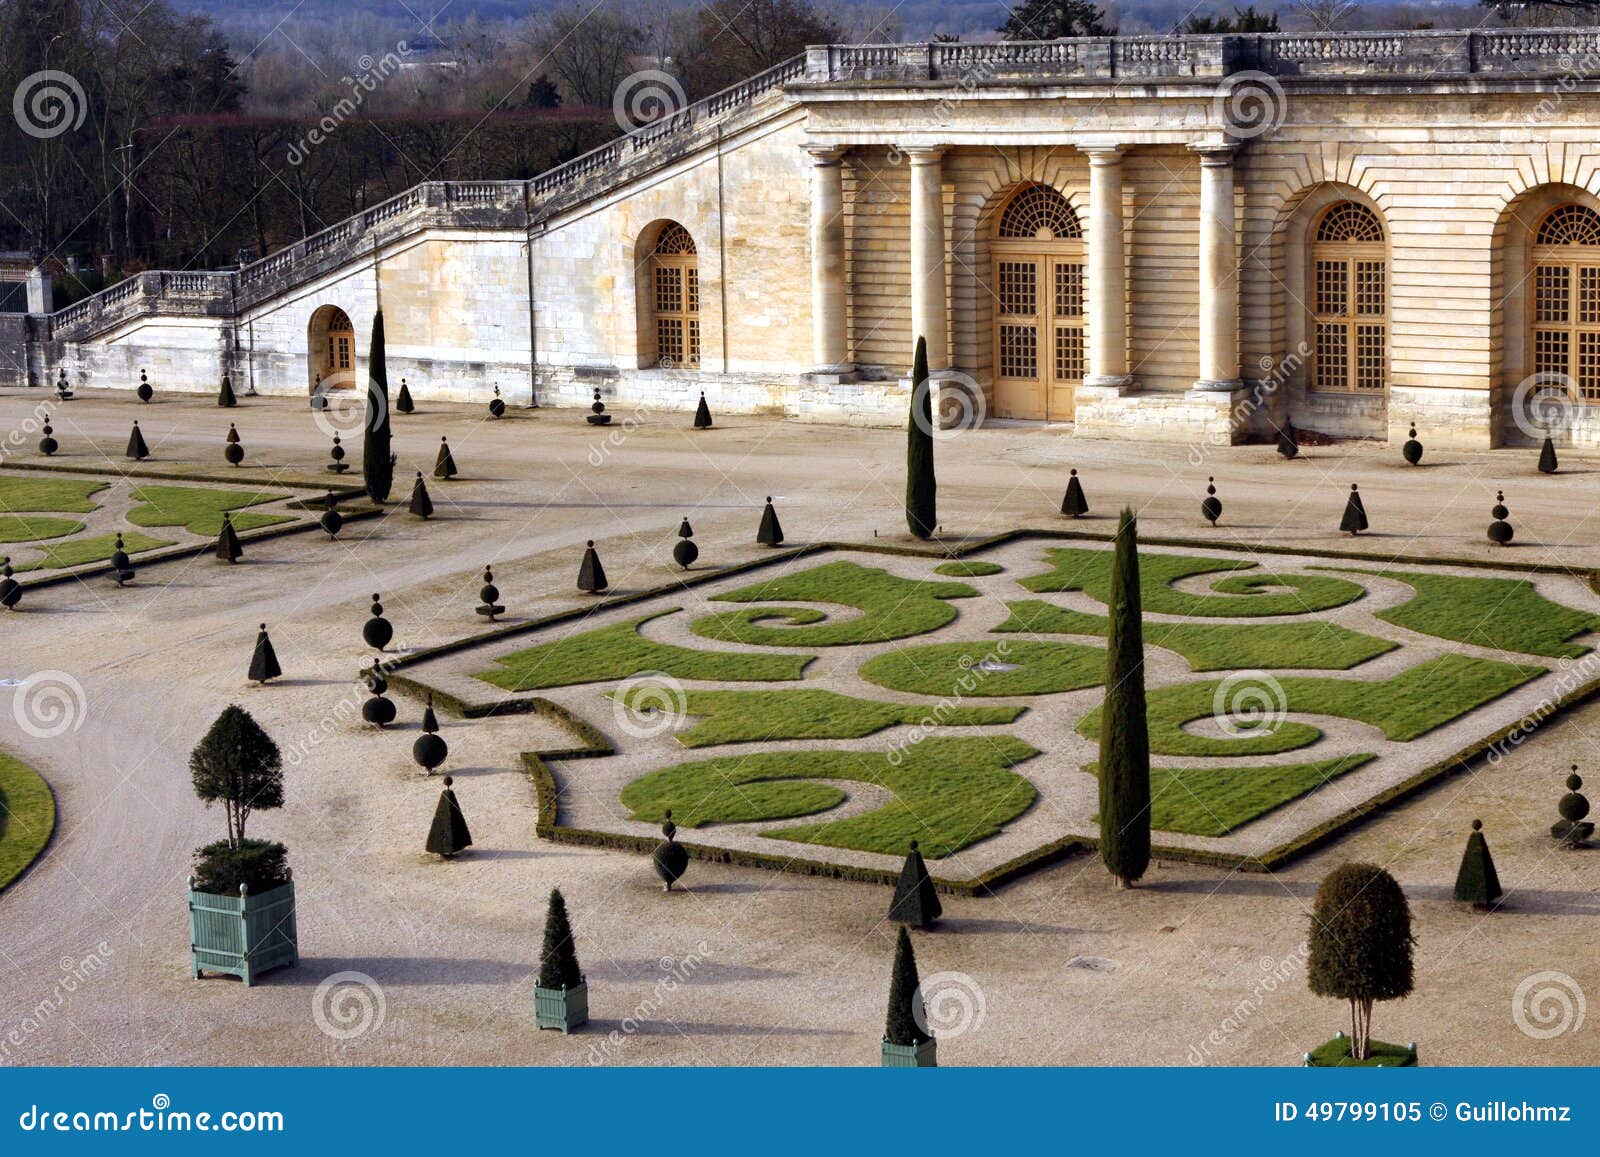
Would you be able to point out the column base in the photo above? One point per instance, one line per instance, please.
(832, 375)
(1113, 385)
(1215, 386)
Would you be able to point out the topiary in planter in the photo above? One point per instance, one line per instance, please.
(264, 660)
(403, 401)
(684, 551)
(377, 631)
(444, 466)
(1360, 945)
(770, 533)
(1547, 456)
(489, 594)
(144, 391)
(1211, 505)
(228, 547)
(1500, 531)
(1287, 446)
(1477, 883)
(430, 750)
(10, 588)
(233, 451)
(379, 709)
(916, 901)
(332, 521)
(121, 566)
(257, 865)
(225, 397)
(670, 858)
(497, 407)
(1355, 513)
(1073, 503)
(1572, 829)
(597, 415)
(137, 450)
(1412, 450)
(702, 414)
(48, 444)
(561, 999)
(338, 465)
(906, 1043)
(591, 575)
(448, 836)
(421, 504)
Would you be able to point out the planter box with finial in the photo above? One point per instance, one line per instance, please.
(243, 935)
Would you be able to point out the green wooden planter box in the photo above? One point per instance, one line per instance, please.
(242, 935)
(922, 1056)
(562, 1008)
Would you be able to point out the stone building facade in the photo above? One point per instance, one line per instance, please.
(1163, 237)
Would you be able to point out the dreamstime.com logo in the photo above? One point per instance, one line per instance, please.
(49, 704)
(1249, 105)
(347, 412)
(949, 1004)
(1249, 703)
(958, 404)
(1547, 1005)
(648, 704)
(49, 103)
(1542, 404)
(348, 1005)
(646, 97)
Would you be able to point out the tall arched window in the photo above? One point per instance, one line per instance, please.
(1038, 287)
(1349, 301)
(1565, 324)
(675, 297)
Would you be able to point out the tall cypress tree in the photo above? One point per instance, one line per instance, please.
(921, 490)
(377, 467)
(1124, 734)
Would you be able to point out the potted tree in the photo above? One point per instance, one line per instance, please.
(561, 999)
(1361, 951)
(241, 897)
(906, 1043)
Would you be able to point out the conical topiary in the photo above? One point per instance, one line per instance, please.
(1477, 882)
(137, 450)
(233, 449)
(338, 465)
(497, 406)
(448, 835)
(1547, 456)
(489, 597)
(1073, 503)
(377, 631)
(558, 958)
(1211, 505)
(264, 661)
(770, 532)
(403, 401)
(670, 857)
(430, 749)
(10, 588)
(1287, 446)
(1572, 829)
(591, 575)
(228, 546)
(1124, 730)
(444, 466)
(421, 504)
(916, 902)
(48, 444)
(225, 397)
(1500, 531)
(597, 415)
(1412, 450)
(702, 414)
(903, 1026)
(121, 567)
(332, 521)
(144, 391)
(1355, 514)
(379, 709)
(377, 462)
(922, 488)
(684, 551)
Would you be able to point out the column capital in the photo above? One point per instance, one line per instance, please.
(1102, 154)
(825, 154)
(1215, 153)
(922, 154)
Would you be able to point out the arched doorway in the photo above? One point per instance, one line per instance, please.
(672, 337)
(1564, 314)
(1038, 254)
(1349, 301)
(331, 351)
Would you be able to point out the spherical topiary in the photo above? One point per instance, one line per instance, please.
(684, 551)
(379, 710)
(597, 415)
(338, 465)
(377, 631)
(497, 407)
(233, 451)
(332, 521)
(1572, 829)
(1412, 450)
(48, 445)
(430, 749)
(1500, 531)
(10, 588)
(489, 596)
(670, 858)
(144, 391)
(121, 568)
(1211, 505)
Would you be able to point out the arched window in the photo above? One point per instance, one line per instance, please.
(1038, 288)
(675, 297)
(1565, 323)
(1349, 301)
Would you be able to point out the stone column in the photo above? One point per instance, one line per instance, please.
(1219, 271)
(1107, 273)
(829, 336)
(928, 305)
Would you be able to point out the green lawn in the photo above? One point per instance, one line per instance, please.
(980, 668)
(27, 817)
(1235, 596)
(1335, 1054)
(946, 792)
(1405, 706)
(1505, 614)
(618, 651)
(199, 509)
(891, 608)
(82, 551)
(1215, 801)
(968, 568)
(760, 716)
(32, 527)
(1216, 646)
(48, 495)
